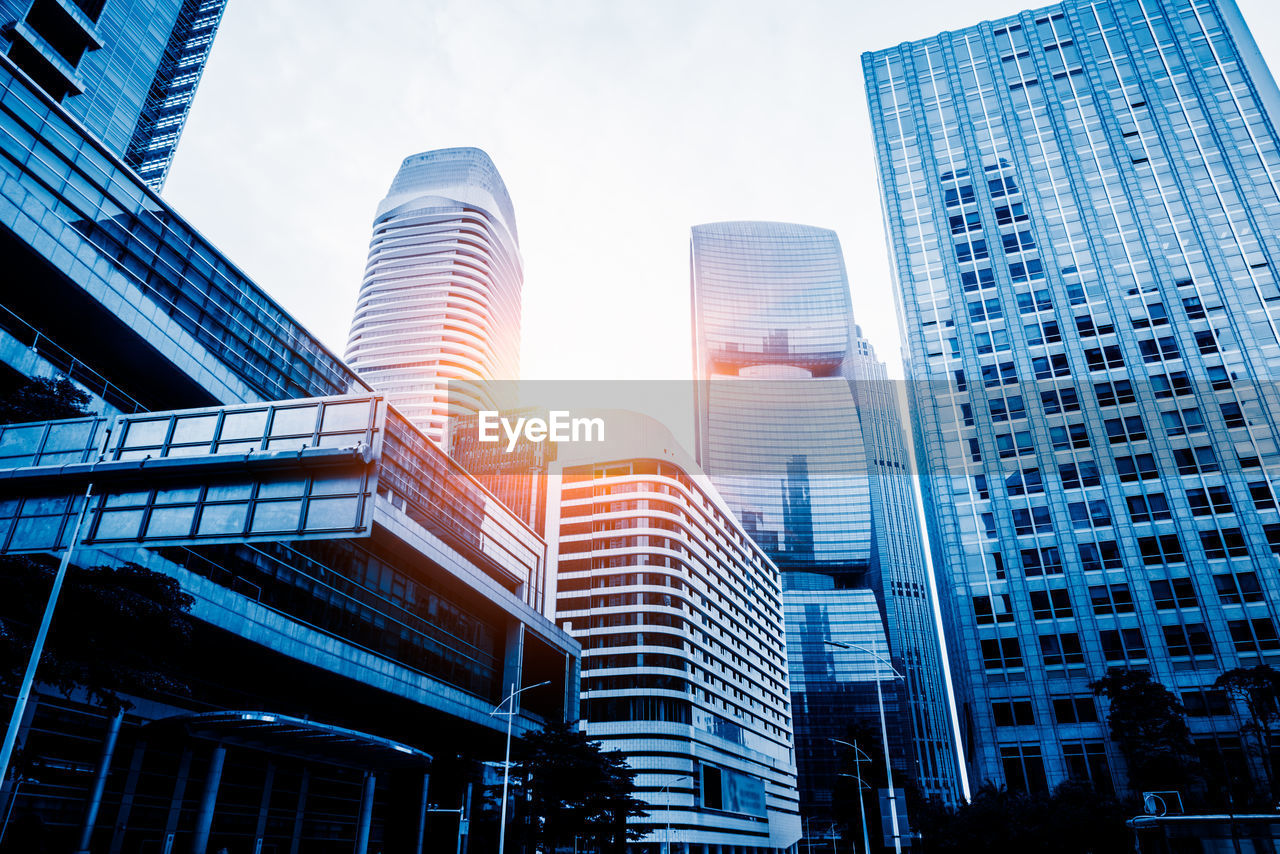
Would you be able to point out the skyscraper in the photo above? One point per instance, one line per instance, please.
(796, 427)
(680, 617)
(1082, 205)
(439, 311)
(127, 69)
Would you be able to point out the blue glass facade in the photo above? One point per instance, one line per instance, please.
(411, 621)
(127, 69)
(798, 429)
(1083, 209)
(831, 686)
(772, 331)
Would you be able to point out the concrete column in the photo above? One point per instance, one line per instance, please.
(99, 782)
(422, 813)
(126, 799)
(466, 815)
(208, 800)
(572, 677)
(300, 811)
(366, 814)
(264, 807)
(179, 792)
(513, 659)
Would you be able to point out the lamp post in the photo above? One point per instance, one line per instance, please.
(667, 788)
(884, 733)
(858, 758)
(506, 761)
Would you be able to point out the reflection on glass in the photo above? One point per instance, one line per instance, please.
(276, 516)
(194, 428)
(345, 416)
(244, 425)
(171, 521)
(223, 519)
(119, 525)
(293, 420)
(333, 513)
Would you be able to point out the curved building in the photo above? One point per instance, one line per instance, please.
(771, 335)
(680, 616)
(439, 310)
(798, 428)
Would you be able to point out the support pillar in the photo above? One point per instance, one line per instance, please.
(175, 801)
(366, 814)
(99, 782)
(264, 807)
(422, 813)
(300, 811)
(513, 660)
(126, 799)
(208, 800)
(466, 815)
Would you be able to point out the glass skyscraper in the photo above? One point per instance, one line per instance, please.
(1083, 208)
(796, 428)
(439, 309)
(127, 69)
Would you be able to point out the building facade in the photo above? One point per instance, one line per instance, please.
(798, 427)
(836, 652)
(1082, 209)
(679, 613)
(127, 69)
(438, 314)
(361, 604)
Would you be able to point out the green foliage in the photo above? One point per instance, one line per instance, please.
(1259, 689)
(1147, 724)
(573, 789)
(42, 399)
(1073, 819)
(116, 631)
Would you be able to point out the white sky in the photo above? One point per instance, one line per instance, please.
(615, 125)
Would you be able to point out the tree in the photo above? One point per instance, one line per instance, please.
(1147, 724)
(1074, 818)
(575, 790)
(42, 399)
(117, 630)
(1259, 689)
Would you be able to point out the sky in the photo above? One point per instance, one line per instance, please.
(616, 126)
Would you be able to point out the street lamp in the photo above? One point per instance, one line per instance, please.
(666, 789)
(506, 762)
(884, 733)
(858, 758)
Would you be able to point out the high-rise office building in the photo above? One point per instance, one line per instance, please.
(797, 427)
(127, 69)
(360, 604)
(439, 311)
(1083, 208)
(679, 613)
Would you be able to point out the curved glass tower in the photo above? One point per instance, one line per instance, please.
(799, 429)
(439, 310)
(772, 327)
